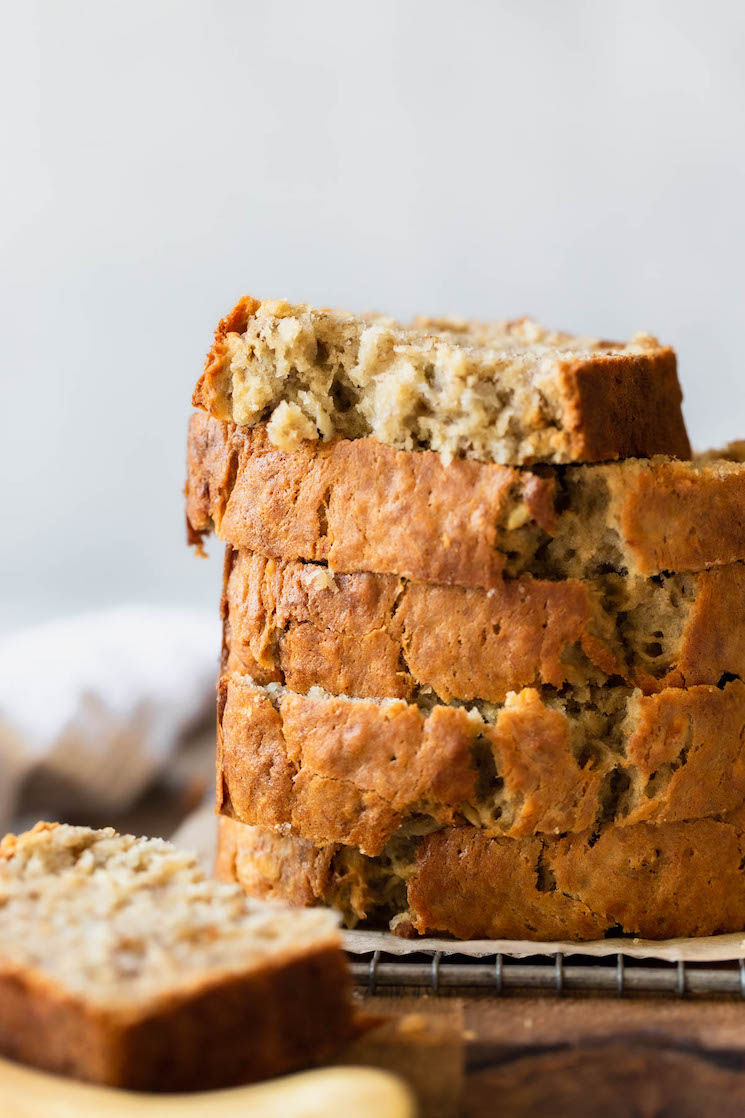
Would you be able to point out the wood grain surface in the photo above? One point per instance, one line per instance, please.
(516, 1056)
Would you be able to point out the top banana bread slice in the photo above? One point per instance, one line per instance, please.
(510, 392)
(361, 506)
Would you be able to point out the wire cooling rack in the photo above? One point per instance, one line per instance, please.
(619, 976)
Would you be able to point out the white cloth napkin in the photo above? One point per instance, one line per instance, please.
(96, 705)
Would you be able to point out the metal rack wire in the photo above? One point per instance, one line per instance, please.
(619, 976)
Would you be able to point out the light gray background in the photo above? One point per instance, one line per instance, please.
(583, 162)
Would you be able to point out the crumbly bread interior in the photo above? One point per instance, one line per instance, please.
(121, 921)
(485, 391)
(372, 889)
(642, 621)
(589, 537)
(650, 617)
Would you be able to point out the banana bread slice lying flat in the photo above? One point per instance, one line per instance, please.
(354, 771)
(383, 636)
(509, 392)
(121, 963)
(655, 881)
(360, 506)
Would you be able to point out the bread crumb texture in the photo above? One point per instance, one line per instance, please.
(512, 392)
(121, 921)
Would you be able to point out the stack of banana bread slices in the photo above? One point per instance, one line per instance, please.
(484, 628)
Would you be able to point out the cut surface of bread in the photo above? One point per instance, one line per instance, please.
(121, 963)
(509, 392)
(659, 882)
(383, 636)
(357, 505)
(355, 771)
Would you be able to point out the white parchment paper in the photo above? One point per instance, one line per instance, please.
(709, 949)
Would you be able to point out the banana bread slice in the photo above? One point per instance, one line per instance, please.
(121, 963)
(335, 769)
(383, 636)
(659, 882)
(509, 392)
(360, 506)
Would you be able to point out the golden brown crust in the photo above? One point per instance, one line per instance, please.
(332, 769)
(358, 505)
(210, 389)
(272, 866)
(208, 476)
(618, 408)
(712, 643)
(382, 636)
(681, 879)
(355, 504)
(238, 1030)
(659, 882)
(672, 522)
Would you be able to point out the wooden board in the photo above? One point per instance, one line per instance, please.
(571, 1057)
